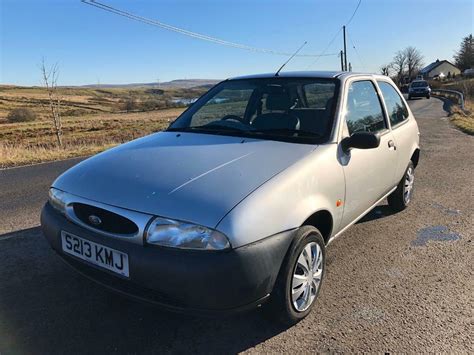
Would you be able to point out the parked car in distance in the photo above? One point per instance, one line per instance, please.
(468, 72)
(419, 88)
(232, 207)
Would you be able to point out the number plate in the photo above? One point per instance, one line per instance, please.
(96, 254)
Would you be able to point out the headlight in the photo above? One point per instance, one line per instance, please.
(57, 199)
(170, 233)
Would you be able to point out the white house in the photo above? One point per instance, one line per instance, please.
(439, 69)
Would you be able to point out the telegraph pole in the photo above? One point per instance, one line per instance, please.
(345, 48)
(342, 60)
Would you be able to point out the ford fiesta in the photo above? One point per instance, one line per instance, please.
(234, 204)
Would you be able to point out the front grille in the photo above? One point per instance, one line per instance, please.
(104, 220)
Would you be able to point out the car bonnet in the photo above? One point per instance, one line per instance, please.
(186, 176)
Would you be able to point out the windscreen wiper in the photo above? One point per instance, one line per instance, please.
(207, 128)
(287, 132)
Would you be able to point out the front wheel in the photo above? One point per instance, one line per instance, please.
(428, 96)
(401, 197)
(300, 278)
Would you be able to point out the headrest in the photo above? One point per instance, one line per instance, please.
(279, 101)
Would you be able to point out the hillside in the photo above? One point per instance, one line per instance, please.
(176, 84)
(80, 101)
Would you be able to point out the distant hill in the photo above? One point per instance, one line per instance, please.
(179, 83)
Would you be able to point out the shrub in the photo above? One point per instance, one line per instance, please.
(21, 115)
(129, 105)
(151, 104)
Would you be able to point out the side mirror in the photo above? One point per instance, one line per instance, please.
(360, 140)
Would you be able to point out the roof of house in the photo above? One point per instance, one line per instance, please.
(434, 65)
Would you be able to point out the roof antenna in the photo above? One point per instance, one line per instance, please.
(279, 70)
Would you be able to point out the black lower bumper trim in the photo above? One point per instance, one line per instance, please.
(142, 294)
(180, 280)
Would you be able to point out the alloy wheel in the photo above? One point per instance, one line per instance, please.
(307, 276)
(408, 185)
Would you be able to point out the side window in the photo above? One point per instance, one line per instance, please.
(227, 102)
(396, 108)
(363, 110)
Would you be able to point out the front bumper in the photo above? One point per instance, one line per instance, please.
(419, 93)
(196, 282)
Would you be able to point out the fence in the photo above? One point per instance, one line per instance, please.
(453, 95)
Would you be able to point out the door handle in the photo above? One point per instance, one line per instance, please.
(391, 145)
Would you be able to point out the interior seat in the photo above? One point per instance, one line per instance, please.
(282, 119)
(315, 119)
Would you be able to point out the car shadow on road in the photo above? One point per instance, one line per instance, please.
(45, 307)
(380, 211)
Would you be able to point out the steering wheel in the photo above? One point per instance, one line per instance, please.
(233, 118)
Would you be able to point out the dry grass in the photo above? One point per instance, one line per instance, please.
(34, 142)
(15, 155)
(464, 120)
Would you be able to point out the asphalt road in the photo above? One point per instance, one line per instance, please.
(395, 282)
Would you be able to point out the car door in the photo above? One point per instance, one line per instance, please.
(404, 129)
(369, 173)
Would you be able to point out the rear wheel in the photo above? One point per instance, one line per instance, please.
(401, 197)
(300, 278)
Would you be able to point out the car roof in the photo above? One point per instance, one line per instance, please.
(305, 74)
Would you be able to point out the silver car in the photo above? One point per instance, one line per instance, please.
(233, 206)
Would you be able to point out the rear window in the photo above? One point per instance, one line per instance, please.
(318, 94)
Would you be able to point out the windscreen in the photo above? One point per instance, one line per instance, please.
(419, 84)
(273, 108)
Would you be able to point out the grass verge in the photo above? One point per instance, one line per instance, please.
(464, 120)
(11, 156)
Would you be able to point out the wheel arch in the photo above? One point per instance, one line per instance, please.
(415, 157)
(323, 221)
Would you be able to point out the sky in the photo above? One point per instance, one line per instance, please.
(92, 46)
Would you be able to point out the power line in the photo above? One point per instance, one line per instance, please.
(325, 49)
(196, 35)
(354, 13)
(335, 36)
(357, 52)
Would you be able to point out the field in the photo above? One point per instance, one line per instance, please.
(33, 142)
(81, 101)
(93, 119)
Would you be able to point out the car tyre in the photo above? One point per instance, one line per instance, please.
(399, 199)
(428, 96)
(295, 292)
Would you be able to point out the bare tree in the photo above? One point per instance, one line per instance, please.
(414, 61)
(399, 65)
(50, 79)
(386, 69)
